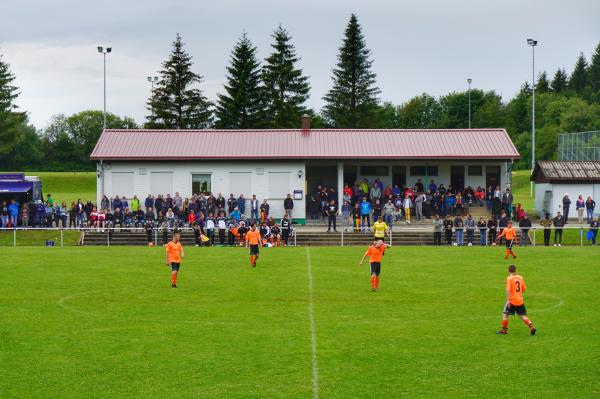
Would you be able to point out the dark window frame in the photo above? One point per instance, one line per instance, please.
(470, 170)
(374, 170)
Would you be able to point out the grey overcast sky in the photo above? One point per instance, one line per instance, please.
(420, 46)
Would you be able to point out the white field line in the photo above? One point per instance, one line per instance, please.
(313, 336)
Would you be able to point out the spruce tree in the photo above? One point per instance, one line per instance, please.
(286, 88)
(353, 100)
(12, 123)
(559, 83)
(242, 105)
(593, 72)
(578, 78)
(542, 85)
(176, 103)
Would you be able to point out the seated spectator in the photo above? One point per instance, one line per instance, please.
(236, 215)
(128, 218)
(139, 219)
(118, 218)
(191, 218)
(170, 218)
(149, 216)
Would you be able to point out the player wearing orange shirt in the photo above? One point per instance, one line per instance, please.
(375, 252)
(511, 235)
(515, 286)
(253, 242)
(174, 251)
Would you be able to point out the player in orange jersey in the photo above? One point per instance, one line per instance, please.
(511, 235)
(253, 242)
(515, 286)
(375, 252)
(174, 251)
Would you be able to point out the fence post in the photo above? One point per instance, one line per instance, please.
(581, 236)
(391, 235)
(107, 238)
(295, 243)
(14, 237)
(534, 234)
(342, 238)
(62, 237)
(155, 237)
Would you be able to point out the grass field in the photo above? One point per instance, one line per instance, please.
(103, 323)
(521, 188)
(68, 186)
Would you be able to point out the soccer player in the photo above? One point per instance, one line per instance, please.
(253, 241)
(515, 286)
(375, 253)
(174, 251)
(510, 234)
(380, 228)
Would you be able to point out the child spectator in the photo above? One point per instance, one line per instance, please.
(470, 225)
(448, 224)
(365, 214)
(407, 204)
(437, 230)
(356, 216)
(482, 227)
(210, 228)
(346, 214)
(459, 226)
(264, 210)
(221, 226)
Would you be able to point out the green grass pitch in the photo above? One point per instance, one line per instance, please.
(104, 323)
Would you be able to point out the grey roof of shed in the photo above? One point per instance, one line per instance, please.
(566, 171)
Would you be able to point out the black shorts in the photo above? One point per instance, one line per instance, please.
(253, 249)
(174, 266)
(509, 244)
(375, 268)
(378, 238)
(511, 309)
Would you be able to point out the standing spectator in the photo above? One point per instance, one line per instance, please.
(448, 229)
(149, 227)
(348, 193)
(437, 230)
(210, 228)
(286, 229)
(241, 204)
(313, 206)
(25, 215)
(407, 204)
(420, 198)
(580, 207)
(482, 227)
(331, 210)
(63, 214)
(594, 224)
(177, 200)
(375, 192)
(489, 196)
(346, 214)
(547, 225)
(254, 208)
(356, 216)
(104, 202)
(50, 200)
(388, 213)
(459, 226)
(459, 205)
(13, 211)
(470, 225)
(149, 202)
(221, 226)
(566, 203)
(264, 210)
(502, 223)
(432, 187)
(398, 206)
(116, 203)
(220, 202)
(377, 209)
(492, 225)
(507, 200)
(158, 204)
(524, 226)
(558, 222)
(231, 203)
(135, 204)
(419, 186)
(365, 214)
(49, 214)
(288, 205)
(590, 204)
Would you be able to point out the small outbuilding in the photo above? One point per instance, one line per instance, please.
(554, 179)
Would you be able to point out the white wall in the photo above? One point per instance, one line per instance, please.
(574, 190)
(220, 180)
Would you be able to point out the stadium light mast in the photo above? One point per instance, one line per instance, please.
(532, 43)
(104, 51)
(469, 81)
(152, 80)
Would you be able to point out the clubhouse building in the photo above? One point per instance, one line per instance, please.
(275, 163)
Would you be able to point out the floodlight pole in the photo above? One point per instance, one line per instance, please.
(469, 81)
(532, 43)
(104, 51)
(152, 80)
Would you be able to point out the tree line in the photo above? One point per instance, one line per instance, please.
(273, 93)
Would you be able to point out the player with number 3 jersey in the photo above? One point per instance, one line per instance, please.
(515, 287)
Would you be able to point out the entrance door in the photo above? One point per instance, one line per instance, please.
(492, 176)
(457, 177)
(399, 176)
(350, 175)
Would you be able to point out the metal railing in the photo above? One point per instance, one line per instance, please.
(51, 236)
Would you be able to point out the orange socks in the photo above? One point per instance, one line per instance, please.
(504, 325)
(174, 278)
(528, 323)
(373, 283)
(376, 281)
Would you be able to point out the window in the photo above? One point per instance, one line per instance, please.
(423, 170)
(475, 170)
(161, 183)
(374, 170)
(122, 184)
(201, 183)
(240, 183)
(279, 185)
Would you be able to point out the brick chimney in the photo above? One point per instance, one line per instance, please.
(305, 123)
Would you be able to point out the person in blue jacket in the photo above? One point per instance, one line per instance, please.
(365, 214)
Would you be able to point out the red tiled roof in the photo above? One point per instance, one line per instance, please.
(140, 144)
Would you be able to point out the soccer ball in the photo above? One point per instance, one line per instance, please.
(455, 244)
(470, 244)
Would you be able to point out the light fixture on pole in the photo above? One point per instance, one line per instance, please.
(152, 80)
(532, 43)
(469, 81)
(104, 51)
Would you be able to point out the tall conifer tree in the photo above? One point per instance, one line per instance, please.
(542, 85)
(242, 104)
(12, 122)
(353, 100)
(176, 102)
(559, 83)
(578, 78)
(286, 88)
(593, 72)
